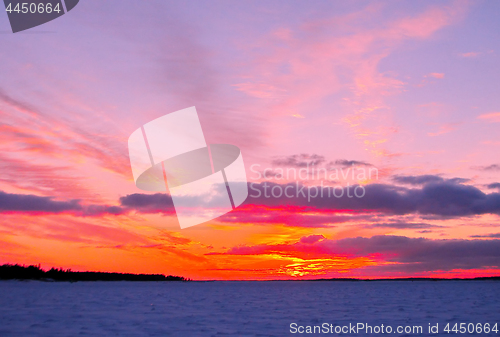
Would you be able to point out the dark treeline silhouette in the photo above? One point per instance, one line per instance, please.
(15, 271)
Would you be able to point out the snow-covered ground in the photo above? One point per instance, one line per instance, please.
(32, 308)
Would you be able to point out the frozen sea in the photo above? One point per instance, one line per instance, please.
(34, 308)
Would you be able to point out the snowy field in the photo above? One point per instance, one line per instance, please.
(33, 308)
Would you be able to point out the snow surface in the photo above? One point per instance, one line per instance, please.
(33, 308)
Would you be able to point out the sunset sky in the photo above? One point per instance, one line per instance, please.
(409, 90)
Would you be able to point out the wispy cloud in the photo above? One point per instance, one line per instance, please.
(36, 205)
(335, 55)
(492, 167)
(299, 160)
(426, 179)
(470, 54)
(493, 117)
(149, 203)
(443, 129)
(349, 163)
(436, 75)
(492, 236)
(494, 186)
(402, 225)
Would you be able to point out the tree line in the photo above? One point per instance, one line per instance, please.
(32, 272)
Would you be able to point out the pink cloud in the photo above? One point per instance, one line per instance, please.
(493, 117)
(301, 66)
(446, 128)
(436, 75)
(427, 23)
(67, 229)
(470, 54)
(259, 90)
(44, 153)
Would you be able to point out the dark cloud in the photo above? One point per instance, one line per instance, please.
(299, 160)
(148, 203)
(446, 198)
(441, 198)
(407, 254)
(309, 160)
(493, 167)
(417, 180)
(28, 203)
(494, 186)
(494, 235)
(421, 254)
(299, 205)
(348, 163)
(97, 210)
(426, 179)
(402, 225)
(23, 106)
(32, 203)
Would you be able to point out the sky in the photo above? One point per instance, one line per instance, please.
(397, 99)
